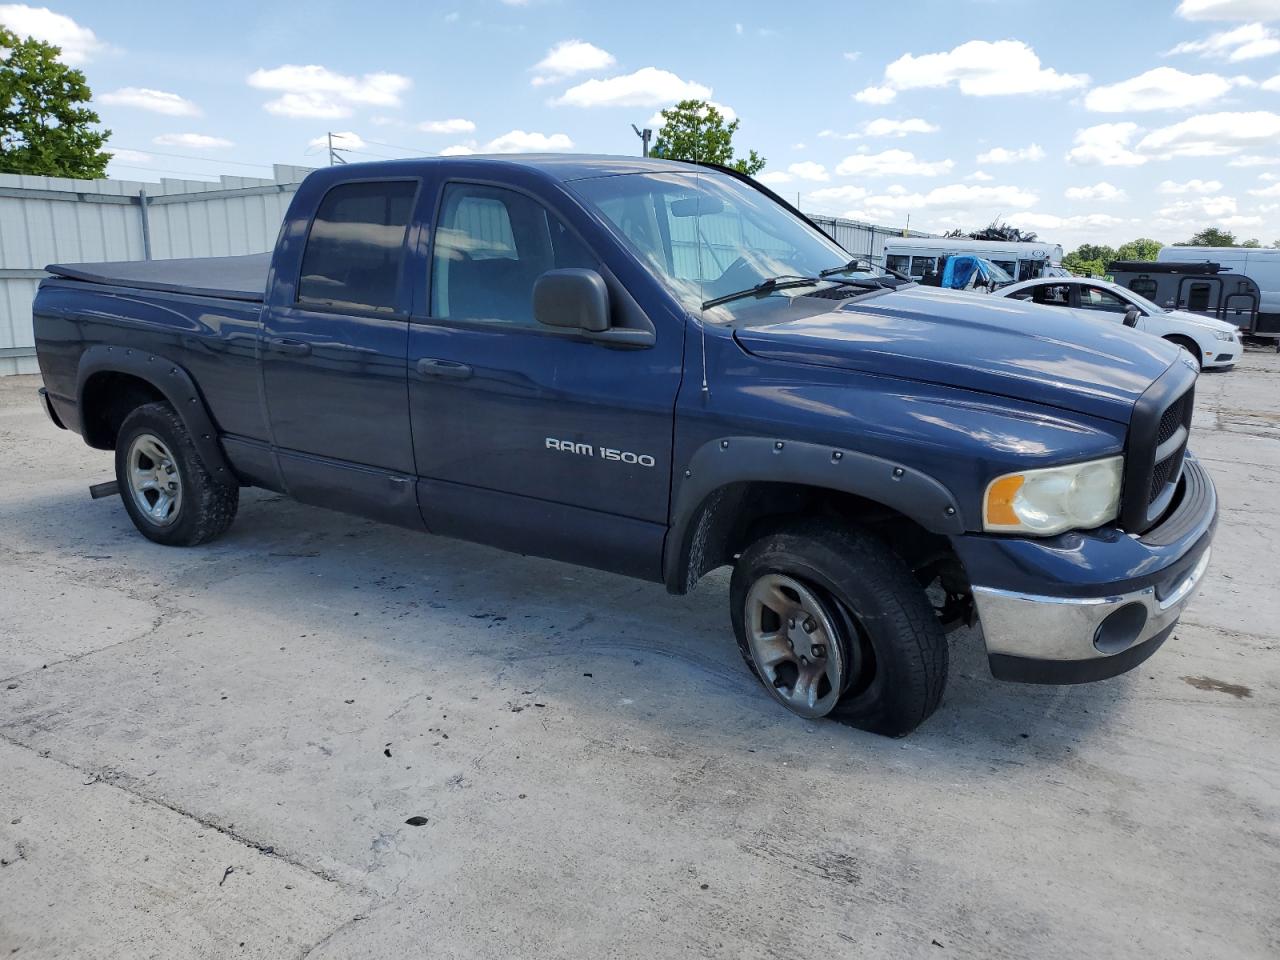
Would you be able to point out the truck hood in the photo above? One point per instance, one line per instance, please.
(991, 345)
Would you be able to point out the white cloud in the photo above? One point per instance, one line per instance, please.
(1107, 144)
(569, 57)
(130, 156)
(981, 176)
(455, 125)
(1228, 10)
(1163, 88)
(852, 55)
(1213, 134)
(891, 163)
(157, 101)
(877, 95)
(980, 68)
(1083, 222)
(194, 141)
(804, 170)
(1173, 188)
(347, 140)
(1100, 191)
(1273, 84)
(884, 127)
(647, 87)
(725, 111)
(1209, 208)
(1271, 191)
(78, 43)
(1253, 160)
(837, 195)
(1247, 42)
(956, 196)
(518, 141)
(316, 91)
(458, 150)
(1020, 155)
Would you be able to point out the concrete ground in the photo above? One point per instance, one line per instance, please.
(214, 752)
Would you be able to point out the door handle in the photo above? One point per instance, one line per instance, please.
(295, 348)
(444, 369)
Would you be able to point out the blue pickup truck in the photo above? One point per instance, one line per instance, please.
(658, 369)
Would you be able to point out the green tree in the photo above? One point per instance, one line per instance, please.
(1210, 237)
(696, 130)
(44, 127)
(1252, 244)
(1144, 248)
(1085, 266)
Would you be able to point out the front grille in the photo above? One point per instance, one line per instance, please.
(1157, 444)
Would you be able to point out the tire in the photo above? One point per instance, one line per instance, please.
(199, 508)
(1190, 346)
(889, 635)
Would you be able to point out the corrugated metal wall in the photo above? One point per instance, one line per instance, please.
(55, 220)
(861, 239)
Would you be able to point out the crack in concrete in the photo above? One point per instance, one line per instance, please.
(127, 783)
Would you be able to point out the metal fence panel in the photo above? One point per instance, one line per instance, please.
(47, 220)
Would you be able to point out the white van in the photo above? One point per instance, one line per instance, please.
(918, 256)
(1260, 266)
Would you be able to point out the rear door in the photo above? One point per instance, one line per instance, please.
(530, 437)
(334, 357)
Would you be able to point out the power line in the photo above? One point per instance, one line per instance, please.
(188, 156)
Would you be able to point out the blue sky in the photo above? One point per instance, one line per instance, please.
(1087, 121)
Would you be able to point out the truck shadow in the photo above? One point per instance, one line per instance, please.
(534, 625)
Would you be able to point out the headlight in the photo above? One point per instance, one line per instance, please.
(1045, 502)
(1224, 335)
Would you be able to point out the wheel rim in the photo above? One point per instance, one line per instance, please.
(796, 645)
(154, 481)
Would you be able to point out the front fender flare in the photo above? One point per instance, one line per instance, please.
(173, 382)
(718, 464)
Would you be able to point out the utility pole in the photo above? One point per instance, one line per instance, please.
(645, 136)
(335, 156)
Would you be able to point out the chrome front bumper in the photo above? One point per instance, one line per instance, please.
(1077, 639)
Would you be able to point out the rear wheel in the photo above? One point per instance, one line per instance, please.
(833, 624)
(166, 490)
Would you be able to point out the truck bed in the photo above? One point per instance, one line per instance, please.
(231, 278)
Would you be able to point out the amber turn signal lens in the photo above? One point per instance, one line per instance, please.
(1000, 496)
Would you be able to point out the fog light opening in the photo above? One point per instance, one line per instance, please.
(1121, 629)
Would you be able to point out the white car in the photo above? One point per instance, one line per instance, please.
(1214, 343)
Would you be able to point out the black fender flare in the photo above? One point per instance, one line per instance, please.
(174, 384)
(718, 464)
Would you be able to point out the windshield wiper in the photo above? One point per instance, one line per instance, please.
(856, 264)
(784, 282)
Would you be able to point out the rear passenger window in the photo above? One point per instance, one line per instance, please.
(1052, 294)
(355, 247)
(491, 245)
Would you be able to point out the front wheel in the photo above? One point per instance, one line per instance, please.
(1189, 345)
(168, 493)
(833, 624)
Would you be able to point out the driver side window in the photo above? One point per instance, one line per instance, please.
(1095, 298)
(1053, 294)
(491, 245)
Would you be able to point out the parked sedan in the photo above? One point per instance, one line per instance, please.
(1214, 343)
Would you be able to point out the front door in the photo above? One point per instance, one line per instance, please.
(529, 437)
(334, 358)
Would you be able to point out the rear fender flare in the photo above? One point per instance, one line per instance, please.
(174, 384)
(718, 464)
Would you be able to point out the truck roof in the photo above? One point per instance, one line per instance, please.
(559, 166)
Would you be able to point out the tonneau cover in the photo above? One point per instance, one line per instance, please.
(232, 278)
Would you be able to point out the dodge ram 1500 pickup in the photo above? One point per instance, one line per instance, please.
(657, 369)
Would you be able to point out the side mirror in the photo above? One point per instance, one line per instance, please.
(572, 298)
(1131, 316)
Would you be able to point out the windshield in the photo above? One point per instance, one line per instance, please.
(1143, 302)
(708, 235)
